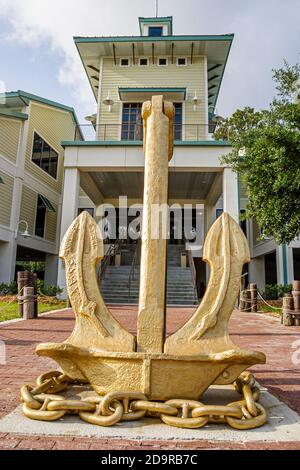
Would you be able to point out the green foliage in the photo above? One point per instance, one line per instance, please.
(31, 266)
(266, 155)
(49, 291)
(276, 291)
(9, 289)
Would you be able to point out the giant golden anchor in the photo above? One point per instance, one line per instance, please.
(151, 366)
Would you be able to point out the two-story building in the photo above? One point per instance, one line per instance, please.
(31, 180)
(124, 72)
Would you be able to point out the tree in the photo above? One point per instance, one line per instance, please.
(266, 155)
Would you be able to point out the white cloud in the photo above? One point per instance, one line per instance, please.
(266, 32)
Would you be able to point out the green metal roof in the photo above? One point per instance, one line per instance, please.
(47, 204)
(139, 143)
(25, 98)
(163, 90)
(224, 37)
(13, 114)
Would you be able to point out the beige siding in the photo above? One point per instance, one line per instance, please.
(53, 125)
(9, 138)
(6, 193)
(191, 77)
(28, 207)
(51, 223)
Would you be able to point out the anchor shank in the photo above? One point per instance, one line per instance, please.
(151, 321)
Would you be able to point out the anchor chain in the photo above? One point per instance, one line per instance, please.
(43, 403)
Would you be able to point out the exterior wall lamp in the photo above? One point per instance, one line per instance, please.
(195, 101)
(108, 102)
(24, 234)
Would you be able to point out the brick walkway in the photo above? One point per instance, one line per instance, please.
(252, 331)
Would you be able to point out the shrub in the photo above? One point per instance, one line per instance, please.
(9, 289)
(49, 291)
(276, 291)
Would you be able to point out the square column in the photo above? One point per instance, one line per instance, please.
(284, 262)
(69, 214)
(8, 251)
(257, 272)
(231, 196)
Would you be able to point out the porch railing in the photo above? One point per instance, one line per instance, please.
(128, 132)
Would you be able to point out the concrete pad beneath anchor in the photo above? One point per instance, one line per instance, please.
(283, 424)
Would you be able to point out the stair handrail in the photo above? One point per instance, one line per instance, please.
(193, 269)
(132, 269)
(106, 260)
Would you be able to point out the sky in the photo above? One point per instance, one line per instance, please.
(38, 55)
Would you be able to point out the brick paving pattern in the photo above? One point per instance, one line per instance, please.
(253, 331)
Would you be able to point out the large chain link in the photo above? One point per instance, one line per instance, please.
(43, 403)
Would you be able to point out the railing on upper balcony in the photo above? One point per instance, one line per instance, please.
(133, 132)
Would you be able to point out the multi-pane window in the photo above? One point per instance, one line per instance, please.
(43, 205)
(155, 31)
(132, 125)
(44, 156)
(178, 121)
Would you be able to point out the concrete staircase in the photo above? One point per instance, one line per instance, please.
(180, 289)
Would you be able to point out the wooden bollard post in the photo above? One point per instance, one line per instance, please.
(296, 295)
(242, 302)
(23, 281)
(28, 303)
(253, 297)
(34, 280)
(247, 300)
(287, 307)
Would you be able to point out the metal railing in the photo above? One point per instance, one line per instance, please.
(131, 132)
(193, 270)
(133, 267)
(111, 252)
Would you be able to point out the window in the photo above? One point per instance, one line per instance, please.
(44, 156)
(181, 61)
(162, 61)
(132, 125)
(124, 62)
(143, 62)
(40, 218)
(178, 121)
(43, 205)
(155, 31)
(89, 210)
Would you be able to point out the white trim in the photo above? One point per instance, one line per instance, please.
(7, 166)
(143, 58)
(206, 97)
(124, 58)
(99, 103)
(40, 186)
(162, 65)
(181, 65)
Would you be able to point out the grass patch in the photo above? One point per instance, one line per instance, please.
(267, 309)
(10, 311)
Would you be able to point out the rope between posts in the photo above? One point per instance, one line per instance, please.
(255, 299)
(14, 299)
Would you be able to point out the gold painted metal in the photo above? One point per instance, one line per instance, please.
(125, 369)
(129, 406)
